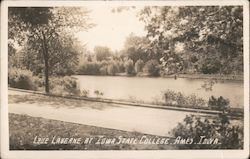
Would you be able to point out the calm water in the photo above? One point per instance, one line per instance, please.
(150, 89)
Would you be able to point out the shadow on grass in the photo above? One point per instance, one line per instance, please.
(24, 128)
(57, 102)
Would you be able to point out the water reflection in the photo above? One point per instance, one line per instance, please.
(150, 89)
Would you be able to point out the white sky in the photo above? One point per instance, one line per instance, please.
(111, 29)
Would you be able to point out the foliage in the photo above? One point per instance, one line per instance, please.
(211, 66)
(178, 99)
(63, 59)
(102, 53)
(112, 69)
(152, 68)
(39, 82)
(84, 93)
(104, 70)
(23, 79)
(48, 37)
(89, 68)
(230, 136)
(129, 67)
(100, 68)
(218, 103)
(193, 36)
(135, 48)
(139, 66)
(98, 93)
(64, 86)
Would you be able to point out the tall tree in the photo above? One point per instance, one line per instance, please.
(136, 47)
(102, 53)
(44, 30)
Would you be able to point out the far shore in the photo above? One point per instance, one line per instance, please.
(232, 77)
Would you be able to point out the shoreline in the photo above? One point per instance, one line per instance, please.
(187, 76)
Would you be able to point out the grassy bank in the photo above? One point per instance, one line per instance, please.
(24, 129)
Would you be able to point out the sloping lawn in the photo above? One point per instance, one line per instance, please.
(25, 131)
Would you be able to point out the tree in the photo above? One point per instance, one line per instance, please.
(129, 66)
(152, 68)
(139, 66)
(205, 31)
(135, 48)
(112, 69)
(46, 30)
(102, 53)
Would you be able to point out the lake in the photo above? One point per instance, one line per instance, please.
(151, 89)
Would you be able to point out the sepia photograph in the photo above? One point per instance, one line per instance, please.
(125, 76)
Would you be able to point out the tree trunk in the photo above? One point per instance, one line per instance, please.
(46, 75)
(46, 63)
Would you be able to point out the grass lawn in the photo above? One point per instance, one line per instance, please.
(24, 130)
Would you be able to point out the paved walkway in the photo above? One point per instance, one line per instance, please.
(115, 116)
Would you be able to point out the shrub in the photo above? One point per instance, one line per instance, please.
(178, 99)
(230, 136)
(139, 66)
(23, 79)
(121, 67)
(104, 70)
(64, 86)
(99, 68)
(112, 68)
(152, 68)
(89, 68)
(39, 82)
(98, 93)
(211, 66)
(218, 103)
(84, 93)
(129, 67)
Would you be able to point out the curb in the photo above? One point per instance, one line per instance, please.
(196, 110)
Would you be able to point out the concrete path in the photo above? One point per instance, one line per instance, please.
(114, 116)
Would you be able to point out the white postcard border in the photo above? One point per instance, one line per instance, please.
(6, 153)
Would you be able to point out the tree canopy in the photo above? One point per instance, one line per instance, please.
(212, 37)
(48, 34)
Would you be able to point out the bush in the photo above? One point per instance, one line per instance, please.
(22, 79)
(64, 86)
(121, 67)
(89, 68)
(84, 93)
(152, 68)
(230, 136)
(211, 66)
(104, 70)
(178, 99)
(100, 68)
(98, 93)
(139, 66)
(129, 67)
(39, 82)
(218, 103)
(112, 69)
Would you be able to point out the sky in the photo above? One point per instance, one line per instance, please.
(111, 28)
